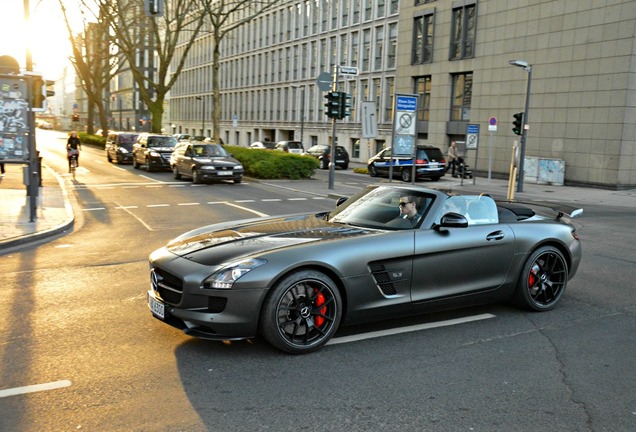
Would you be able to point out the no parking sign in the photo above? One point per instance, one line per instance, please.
(472, 136)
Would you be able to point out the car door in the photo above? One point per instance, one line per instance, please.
(383, 162)
(454, 261)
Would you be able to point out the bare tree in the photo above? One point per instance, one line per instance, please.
(149, 45)
(225, 16)
(92, 61)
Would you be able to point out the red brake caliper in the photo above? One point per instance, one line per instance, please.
(320, 300)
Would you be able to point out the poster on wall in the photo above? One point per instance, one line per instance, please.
(14, 119)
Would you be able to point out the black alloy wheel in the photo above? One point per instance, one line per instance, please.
(543, 280)
(406, 174)
(302, 312)
(372, 171)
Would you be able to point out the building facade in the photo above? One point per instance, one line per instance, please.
(454, 54)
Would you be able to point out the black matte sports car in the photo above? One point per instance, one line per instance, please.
(295, 279)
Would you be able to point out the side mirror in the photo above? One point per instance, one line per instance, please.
(341, 200)
(453, 220)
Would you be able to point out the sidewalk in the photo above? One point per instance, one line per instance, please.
(55, 213)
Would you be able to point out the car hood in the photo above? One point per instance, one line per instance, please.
(219, 161)
(161, 149)
(219, 243)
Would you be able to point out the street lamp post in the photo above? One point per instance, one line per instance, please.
(524, 133)
(203, 116)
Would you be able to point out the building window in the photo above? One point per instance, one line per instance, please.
(394, 7)
(366, 49)
(344, 48)
(389, 92)
(392, 46)
(423, 89)
(368, 9)
(423, 39)
(379, 48)
(379, 9)
(463, 32)
(356, 11)
(462, 95)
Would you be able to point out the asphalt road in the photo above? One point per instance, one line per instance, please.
(74, 317)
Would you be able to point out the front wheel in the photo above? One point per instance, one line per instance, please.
(135, 163)
(542, 281)
(196, 177)
(175, 172)
(302, 312)
(373, 172)
(237, 180)
(148, 167)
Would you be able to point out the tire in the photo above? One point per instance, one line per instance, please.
(406, 175)
(323, 164)
(345, 166)
(196, 178)
(436, 178)
(237, 180)
(108, 157)
(119, 160)
(175, 173)
(148, 168)
(301, 312)
(542, 281)
(135, 163)
(372, 171)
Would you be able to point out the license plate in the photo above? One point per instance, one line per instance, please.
(157, 309)
(224, 173)
(339, 160)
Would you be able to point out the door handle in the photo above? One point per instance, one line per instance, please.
(497, 235)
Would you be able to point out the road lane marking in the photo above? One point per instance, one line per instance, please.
(188, 204)
(35, 388)
(158, 205)
(271, 200)
(419, 327)
(94, 208)
(247, 209)
(148, 227)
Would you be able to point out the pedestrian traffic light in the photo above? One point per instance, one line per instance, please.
(332, 106)
(344, 106)
(518, 123)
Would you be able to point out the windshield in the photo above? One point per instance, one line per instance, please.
(162, 141)
(209, 150)
(380, 208)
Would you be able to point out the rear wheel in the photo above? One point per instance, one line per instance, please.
(324, 164)
(542, 281)
(406, 174)
(302, 312)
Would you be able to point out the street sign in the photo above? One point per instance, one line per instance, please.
(369, 120)
(348, 70)
(324, 81)
(492, 124)
(472, 136)
(404, 125)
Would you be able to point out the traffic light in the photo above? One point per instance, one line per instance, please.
(518, 123)
(38, 92)
(332, 106)
(345, 105)
(153, 7)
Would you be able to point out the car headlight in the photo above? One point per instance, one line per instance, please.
(208, 168)
(122, 150)
(154, 154)
(225, 278)
(238, 167)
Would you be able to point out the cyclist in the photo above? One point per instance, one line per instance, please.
(73, 146)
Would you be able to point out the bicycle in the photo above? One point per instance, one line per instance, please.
(72, 158)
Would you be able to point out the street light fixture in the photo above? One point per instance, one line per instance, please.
(203, 114)
(528, 68)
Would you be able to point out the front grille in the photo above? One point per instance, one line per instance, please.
(169, 286)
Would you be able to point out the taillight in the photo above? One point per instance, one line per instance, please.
(421, 161)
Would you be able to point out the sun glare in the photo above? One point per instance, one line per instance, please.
(46, 34)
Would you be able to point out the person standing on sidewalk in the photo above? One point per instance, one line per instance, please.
(453, 157)
(2, 153)
(75, 144)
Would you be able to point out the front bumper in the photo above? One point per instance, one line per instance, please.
(215, 314)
